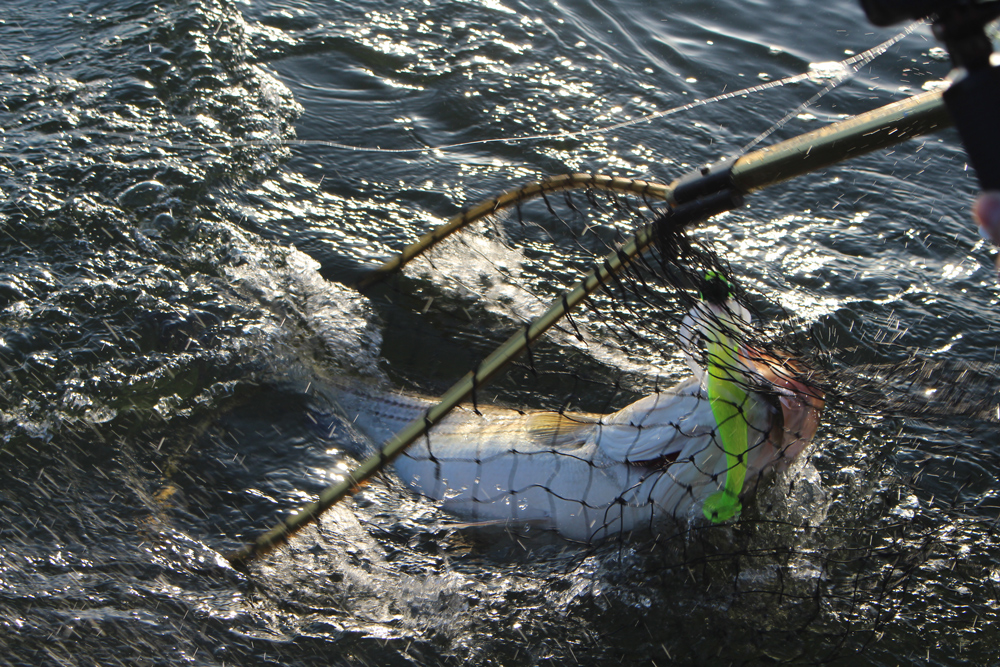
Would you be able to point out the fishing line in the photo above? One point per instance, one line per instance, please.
(849, 66)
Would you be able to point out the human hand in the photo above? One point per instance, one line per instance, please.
(986, 213)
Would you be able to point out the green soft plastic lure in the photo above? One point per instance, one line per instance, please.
(726, 397)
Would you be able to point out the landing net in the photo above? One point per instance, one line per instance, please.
(675, 414)
(662, 400)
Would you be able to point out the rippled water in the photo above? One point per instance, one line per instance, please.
(173, 293)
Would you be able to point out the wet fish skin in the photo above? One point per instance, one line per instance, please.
(588, 476)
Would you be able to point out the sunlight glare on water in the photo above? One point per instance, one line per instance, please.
(182, 222)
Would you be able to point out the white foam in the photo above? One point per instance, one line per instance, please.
(312, 316)
(828, 71)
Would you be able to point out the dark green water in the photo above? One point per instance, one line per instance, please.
(171, 295)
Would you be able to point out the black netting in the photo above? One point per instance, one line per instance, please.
(624, 429)
(678, 412)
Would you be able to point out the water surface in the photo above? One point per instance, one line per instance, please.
(177, 241)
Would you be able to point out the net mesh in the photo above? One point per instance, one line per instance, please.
(651, 405)
(597, 453)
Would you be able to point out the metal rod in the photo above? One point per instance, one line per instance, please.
(879, 128)
(486, 370)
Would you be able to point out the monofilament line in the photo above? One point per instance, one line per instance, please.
(850, 68)
(850, 65)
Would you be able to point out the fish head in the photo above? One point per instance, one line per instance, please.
(798, 407)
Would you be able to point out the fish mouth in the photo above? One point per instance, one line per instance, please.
(800, 401)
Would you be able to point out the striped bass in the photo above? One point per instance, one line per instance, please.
(590, 476)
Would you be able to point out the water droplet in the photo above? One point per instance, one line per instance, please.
(141, 194)
(826, 71)
(936, 85)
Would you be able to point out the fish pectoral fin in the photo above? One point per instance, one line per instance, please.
(559, 429)
(659, 463)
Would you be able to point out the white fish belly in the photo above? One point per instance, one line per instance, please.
(568, 493)
(588, 477)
